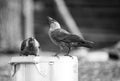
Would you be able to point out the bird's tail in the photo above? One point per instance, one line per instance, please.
(88, 44)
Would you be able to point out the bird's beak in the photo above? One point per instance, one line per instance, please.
(51, 20)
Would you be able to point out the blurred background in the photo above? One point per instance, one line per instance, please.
(97, 20)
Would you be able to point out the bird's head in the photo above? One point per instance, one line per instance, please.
(33, 42)
(30, 42)
(53, 24)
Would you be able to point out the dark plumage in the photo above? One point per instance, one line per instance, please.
(30, 46)
(65, 39)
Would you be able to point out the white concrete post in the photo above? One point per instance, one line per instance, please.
(43, 68)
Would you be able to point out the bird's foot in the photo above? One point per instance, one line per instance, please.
(69, 56)
(37, 55)
(56, 55)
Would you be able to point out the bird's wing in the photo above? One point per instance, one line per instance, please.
(77, 41)
(72, 38)
(23, 45)
(63, 35)
(59, 34)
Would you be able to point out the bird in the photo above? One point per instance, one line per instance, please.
(64, 39)
(30, 46)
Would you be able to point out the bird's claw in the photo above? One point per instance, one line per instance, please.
(56, 56)
(69, 56)
(37, 55)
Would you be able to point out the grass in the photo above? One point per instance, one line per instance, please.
(99, 71)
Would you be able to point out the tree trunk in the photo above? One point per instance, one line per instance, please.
(10, 25)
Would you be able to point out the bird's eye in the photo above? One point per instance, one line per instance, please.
(82, 42)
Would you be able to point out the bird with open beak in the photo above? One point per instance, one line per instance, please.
(64, 39)
(30, 46)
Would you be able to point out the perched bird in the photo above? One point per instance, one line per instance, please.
(30, 46)
(64, 39)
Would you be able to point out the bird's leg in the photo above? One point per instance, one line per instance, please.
(56, 55)
(67, 54)
(37, 55)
